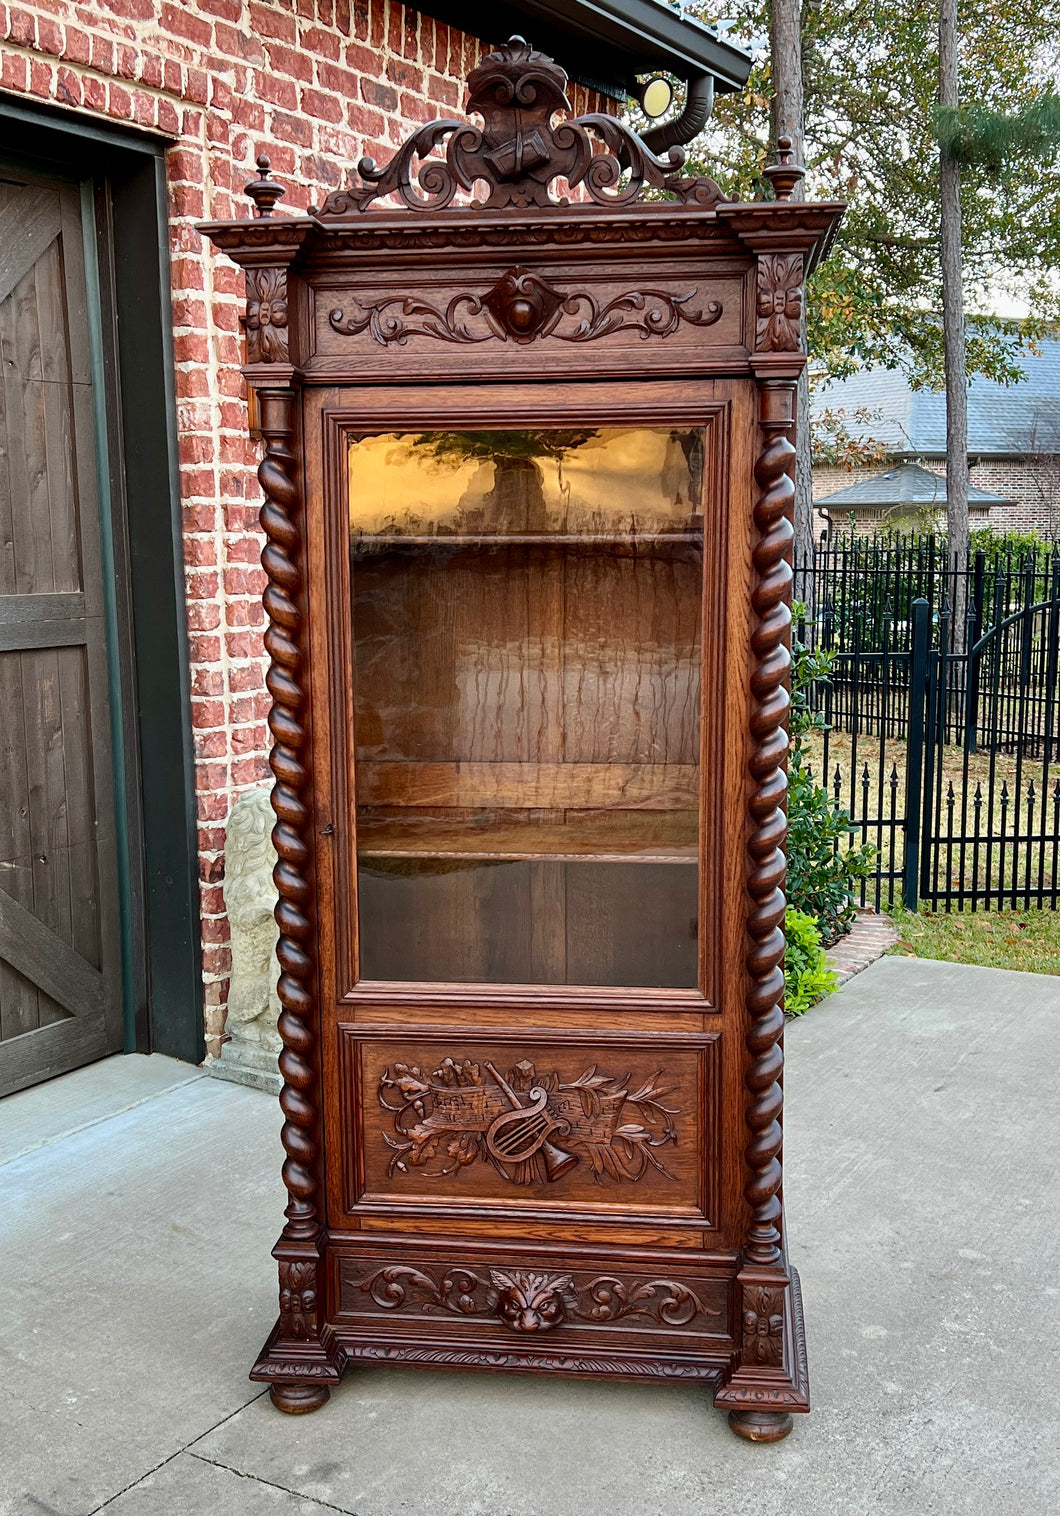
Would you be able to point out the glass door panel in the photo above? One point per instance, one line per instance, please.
(526, 627)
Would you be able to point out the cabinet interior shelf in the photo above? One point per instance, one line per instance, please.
(618, 839)
(522, 539)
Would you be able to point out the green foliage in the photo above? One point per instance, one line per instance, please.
(981, 138)
(807, 977)
(998, 545)
(834, 444)
(824, 869)
(871, 85)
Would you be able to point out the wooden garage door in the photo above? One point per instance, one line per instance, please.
(60, 976)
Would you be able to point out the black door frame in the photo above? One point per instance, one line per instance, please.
(124, 180)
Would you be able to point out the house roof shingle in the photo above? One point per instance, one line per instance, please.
(908, 485)
(1004, 421)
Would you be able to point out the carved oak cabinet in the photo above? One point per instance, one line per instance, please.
(528, 487)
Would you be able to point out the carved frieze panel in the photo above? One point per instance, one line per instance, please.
(521, 306)
(534, 1301)
(532, 1124)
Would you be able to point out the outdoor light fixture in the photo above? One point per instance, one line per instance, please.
(656, 97)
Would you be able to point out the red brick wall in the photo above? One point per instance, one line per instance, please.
(314, 84)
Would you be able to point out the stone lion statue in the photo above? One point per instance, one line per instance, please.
(250, 898)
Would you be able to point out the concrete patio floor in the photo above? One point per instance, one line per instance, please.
(140, 1201)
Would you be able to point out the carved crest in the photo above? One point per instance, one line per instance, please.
(520, 149)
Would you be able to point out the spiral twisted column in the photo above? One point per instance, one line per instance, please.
(770, 647)
(281, 560)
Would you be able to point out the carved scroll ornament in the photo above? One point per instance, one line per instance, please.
(531, 1302)
(519, 151)
(522, 307)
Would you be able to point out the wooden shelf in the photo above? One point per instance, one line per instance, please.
(659, 838)
(523, 539)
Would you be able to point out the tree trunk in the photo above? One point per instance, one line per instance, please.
(785, 28)
(953, 334)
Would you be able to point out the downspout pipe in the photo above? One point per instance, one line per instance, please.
(699, 102)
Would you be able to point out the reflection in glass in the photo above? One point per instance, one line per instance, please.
(526, 617)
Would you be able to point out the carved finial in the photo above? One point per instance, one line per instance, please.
(785, 173)
(264, 191)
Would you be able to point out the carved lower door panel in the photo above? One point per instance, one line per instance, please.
(530, 1127)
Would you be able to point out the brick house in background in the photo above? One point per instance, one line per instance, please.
(1013, 442)
(131, 657)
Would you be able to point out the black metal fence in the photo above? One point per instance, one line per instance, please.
(942, 724)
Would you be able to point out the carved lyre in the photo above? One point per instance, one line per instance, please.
(525, 1130)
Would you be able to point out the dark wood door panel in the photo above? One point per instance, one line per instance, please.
(60, 982)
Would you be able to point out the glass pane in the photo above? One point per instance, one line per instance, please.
(526, 618)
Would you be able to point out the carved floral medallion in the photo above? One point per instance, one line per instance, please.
(778, 327)
(298, 1298)
(267, 315)
(531, 1127)
(763, 1325)
(521, 307)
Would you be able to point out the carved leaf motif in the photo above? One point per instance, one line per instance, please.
(523, 307)
(267, 315)
(779, 308)
(763, 1325)
(298, 1298)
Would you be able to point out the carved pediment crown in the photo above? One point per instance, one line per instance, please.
(525, 143)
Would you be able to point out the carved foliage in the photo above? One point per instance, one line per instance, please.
(520, 150)
(770, 634)
(298, 1299)
(763, 1325)
(522, 307)
(267, 315)
(465, 1112)
(778, 326)
(532, 1302)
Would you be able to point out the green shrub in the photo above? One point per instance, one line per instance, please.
(824, 868)
(807, 977)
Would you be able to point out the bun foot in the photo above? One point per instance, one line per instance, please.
(761, 1426)
(299, 1399)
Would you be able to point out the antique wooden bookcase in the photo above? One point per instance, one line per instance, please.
(527, 483)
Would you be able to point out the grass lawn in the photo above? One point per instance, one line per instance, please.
(1027, 940)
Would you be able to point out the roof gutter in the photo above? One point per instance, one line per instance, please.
(699, 102)
(605, 44)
